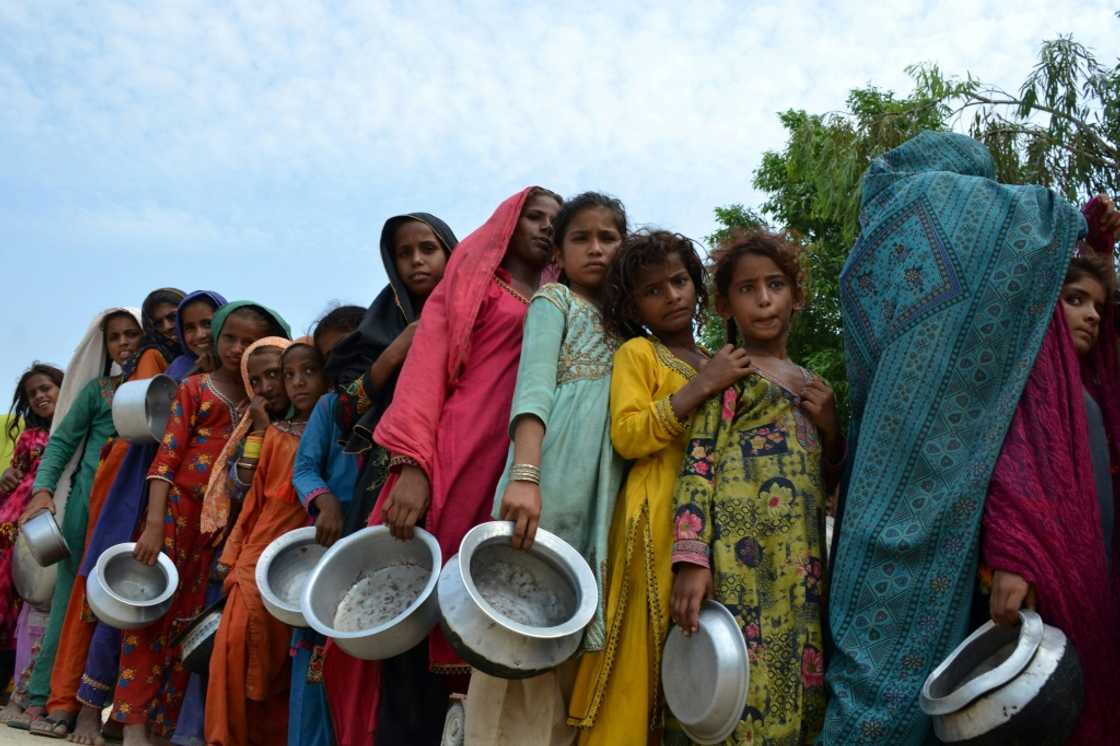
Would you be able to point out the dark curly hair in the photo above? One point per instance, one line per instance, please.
(777, 247)
(640, 251)
(21, 411)
(1099, 267)
(341, 318)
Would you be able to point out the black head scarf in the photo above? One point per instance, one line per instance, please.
(169, 347)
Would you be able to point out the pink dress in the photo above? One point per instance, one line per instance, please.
(29, 448)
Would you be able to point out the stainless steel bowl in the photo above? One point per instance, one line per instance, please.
(127, 594)
(282, 572)
(44, 539)
(356, 557)
(705, 675)
(34, 583)
(1006, 685)
(142, 408)
(501, 629)
(196, 644)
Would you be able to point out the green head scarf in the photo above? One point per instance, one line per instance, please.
(281, 327)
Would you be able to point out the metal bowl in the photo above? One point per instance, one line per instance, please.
(1006, 685)
(125, 593)
(282, 572)
(142, 408)
(356, 557)
(518, 629)
(196, 643)
(33, 582)
(44, 539)
(705, 676)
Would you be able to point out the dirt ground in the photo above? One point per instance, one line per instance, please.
(13, 737)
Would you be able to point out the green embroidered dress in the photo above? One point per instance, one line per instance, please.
(750, 505)
(564, 378)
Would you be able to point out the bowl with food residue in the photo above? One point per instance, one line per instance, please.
(282, 571)
(515, 613)
(374, 595)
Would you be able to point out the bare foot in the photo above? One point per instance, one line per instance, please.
(110, 732)
(137, 735)
(88, 727)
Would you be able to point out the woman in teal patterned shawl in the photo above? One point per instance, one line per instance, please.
(946, 297)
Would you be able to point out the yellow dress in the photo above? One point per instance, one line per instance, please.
(617, 692)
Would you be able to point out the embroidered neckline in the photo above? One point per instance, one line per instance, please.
(510, 289)
(671, 361)
(233, 407)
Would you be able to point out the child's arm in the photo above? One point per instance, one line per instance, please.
(532, 405)
(819, 403)
(309, 471)
(390, 360)
(725, 368)
(176, 439)
(693, 512)
(63, 444)
(250, 511)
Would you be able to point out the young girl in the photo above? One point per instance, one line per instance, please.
(336, 325)
(562, 472)
(156, 349)
(1049, 530)
(81, 428)
(32, 410)
(749, 504)
(122, 511)
(655, 295)
(447, 427)
(247, 698)
(150, 687)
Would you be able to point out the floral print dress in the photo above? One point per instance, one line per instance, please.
(749, 505)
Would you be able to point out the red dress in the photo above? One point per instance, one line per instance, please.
(29, 449)
(152, 680)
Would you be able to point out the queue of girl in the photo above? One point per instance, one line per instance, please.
(544, 371)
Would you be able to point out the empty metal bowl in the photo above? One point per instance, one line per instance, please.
(516, 613)
(282, 572)
(705, 675)
(125, 593)
(33, 582)
(1007, 685)
(196, 643)
(365, 554)
(44, 539)
(142, 408)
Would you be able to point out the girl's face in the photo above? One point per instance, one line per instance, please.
(588, 248)
(267, 380)
(532, 240)
(760, 298)
(239, 331)
(303, 378)
(419, 257)
(1083, 304)
(42, 394)
(163, 318)
(197, 319)
(666, 297)
(122, 337)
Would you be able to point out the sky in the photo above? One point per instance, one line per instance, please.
(256, 148)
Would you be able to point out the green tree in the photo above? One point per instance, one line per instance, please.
(1061, 129)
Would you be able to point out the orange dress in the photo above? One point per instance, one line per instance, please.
(250, 669)
(79, 623)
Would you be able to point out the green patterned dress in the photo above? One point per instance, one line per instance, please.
(750, 505)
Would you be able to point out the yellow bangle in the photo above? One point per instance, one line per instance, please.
(252, 447)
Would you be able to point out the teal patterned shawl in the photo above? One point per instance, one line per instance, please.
(946, 297)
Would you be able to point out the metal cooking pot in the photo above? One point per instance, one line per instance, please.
(282, 572)
(34, 583)
(705, 676)
(196, 643)
(355, 557)
(549, 622)
(125, 593)
(1007, 685)
(44, 539)
(142, 408)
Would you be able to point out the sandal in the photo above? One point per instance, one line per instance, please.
(22, 721)
(52, 727)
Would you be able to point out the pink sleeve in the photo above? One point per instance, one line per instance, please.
(408, 427)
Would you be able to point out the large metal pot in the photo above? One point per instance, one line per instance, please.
(33, 582)
(196, 643)
(142, 408)
(125, 593)
(282, 572)
(44, 539)
(705, 675)
(532, 632)
(1007, 685)
(356, 557)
